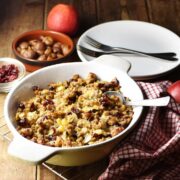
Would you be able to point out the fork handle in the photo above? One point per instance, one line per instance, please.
(167, 54)
(156, 55)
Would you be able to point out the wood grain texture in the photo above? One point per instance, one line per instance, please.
(108, 11)
(17, 17)
(165, 13)
(137, 10)
(121, 10)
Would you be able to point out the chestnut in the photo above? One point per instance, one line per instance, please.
(24, 45)
(47, 40)
(40, 52)
(39, 46)
(57, 50)
(42, 57)
(53, 55)
(57, 45)
(18, 49)
(28, 53)
(49, 58)
(65, 49)
(59, 55)
(33, 42)
(48, 50)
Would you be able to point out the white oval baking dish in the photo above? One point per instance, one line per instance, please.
(106, 67)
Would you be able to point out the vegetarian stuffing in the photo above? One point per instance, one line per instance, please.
(73, 113)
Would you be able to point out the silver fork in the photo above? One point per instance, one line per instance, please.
(94, 53)
(106, 48)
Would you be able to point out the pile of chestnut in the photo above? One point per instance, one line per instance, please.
(43, 49)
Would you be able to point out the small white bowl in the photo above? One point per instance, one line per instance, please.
(6, 87)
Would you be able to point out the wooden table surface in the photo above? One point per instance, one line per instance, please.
(17, 16)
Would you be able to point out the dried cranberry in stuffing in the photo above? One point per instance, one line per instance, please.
(44, 117)
(47, 102)
(21, 105)
(72, 99)
(115, 82)
(51, 88)
(35, 88)
(51, 137)
(32, 107)
(23, 122)
(105, 101)
(75, 110)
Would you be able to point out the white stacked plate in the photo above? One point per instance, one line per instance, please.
(140, 36)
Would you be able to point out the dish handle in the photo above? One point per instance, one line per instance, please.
(30, 151)
(114, 62)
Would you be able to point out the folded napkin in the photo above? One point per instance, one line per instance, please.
(152, 150)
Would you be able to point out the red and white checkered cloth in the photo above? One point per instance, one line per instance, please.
(152, 150)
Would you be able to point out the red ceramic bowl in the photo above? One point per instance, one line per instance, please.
(32, 64)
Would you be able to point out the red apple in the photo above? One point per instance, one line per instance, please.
(63, 18)
(174, 91)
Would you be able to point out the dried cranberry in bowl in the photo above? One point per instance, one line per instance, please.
(11, 71)
(8, 73)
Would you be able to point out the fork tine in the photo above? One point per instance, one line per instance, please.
(92, 42)
(89, 41)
